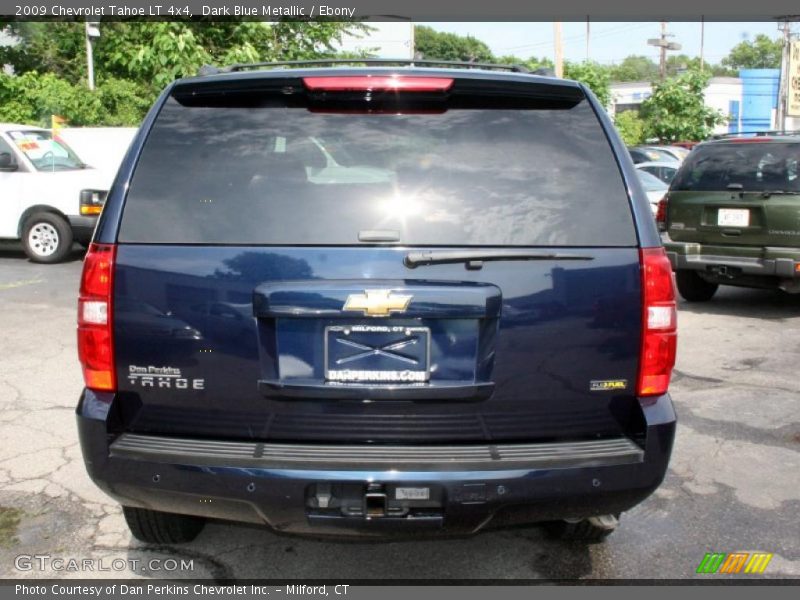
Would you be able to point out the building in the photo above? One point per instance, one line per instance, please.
(749, 101)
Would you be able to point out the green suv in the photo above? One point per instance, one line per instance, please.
(732, 215)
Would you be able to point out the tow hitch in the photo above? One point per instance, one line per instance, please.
(362, 504)
(724, 271)
(375, 501)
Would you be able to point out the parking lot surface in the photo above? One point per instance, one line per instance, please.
(733, 485)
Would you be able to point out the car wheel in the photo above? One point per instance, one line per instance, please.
(46, 238)
(156, 527)
(591, 530)
(694, 288)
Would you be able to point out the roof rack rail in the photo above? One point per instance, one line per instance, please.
(721, 136)
(206, 70)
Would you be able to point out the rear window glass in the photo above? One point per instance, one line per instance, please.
(274, 174)
(756, 166)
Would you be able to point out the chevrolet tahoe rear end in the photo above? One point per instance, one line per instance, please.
(374, 301)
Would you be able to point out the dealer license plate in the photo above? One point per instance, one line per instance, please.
(377, 354)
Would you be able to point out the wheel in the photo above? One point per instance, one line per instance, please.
(694, 288)
(46, 237)
(156, 527)
(591, 530)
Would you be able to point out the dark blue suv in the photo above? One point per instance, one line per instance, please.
(376, 300)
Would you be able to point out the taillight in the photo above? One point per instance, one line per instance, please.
(659, 323)
(661, 214)
(753, 140)
(95, 334)
(376, 83)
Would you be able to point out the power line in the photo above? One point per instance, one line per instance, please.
(604, 33)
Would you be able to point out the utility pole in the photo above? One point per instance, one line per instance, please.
(559, 49)
(588, 33)
(663, 46)
(702, 40)
(92, 31)
(783, 84)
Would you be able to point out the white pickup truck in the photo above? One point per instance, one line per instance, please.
(49, 198)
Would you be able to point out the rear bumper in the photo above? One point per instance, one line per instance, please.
(747, 260)
(307, 489)
(82, 227)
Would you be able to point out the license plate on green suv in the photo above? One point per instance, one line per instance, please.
(733, 217)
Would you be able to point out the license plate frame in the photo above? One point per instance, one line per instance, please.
(733, 217)
(392, 336)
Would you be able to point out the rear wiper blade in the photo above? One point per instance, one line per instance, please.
(475, 258)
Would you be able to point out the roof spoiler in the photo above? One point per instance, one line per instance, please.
(723, 136)
(207, 70)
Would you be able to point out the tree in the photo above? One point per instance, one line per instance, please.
(531, 63)
(34, 98)
(631, 127)
(635, 68)
(676, 110)
(761, 53)
(439, 45)
(594, 76)
(154, 53)
(135, 60)
(54, 47)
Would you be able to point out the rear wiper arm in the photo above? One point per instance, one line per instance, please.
(768, 193)
(475, 258)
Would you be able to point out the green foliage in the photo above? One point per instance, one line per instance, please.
(531, 63)
(438, 45)
(53, 47)
(122, 103)
(594, 76)
(641, 68)
(34, 98)
(631, 127)
(135, 60)
(150, 53)
(676, 110)
(635, 68)
(761, 53)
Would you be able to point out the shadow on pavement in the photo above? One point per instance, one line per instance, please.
(745, 302)
(13, 250)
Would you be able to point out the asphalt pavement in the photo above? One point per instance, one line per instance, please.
(733, 484)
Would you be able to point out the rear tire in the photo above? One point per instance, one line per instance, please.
(694, 288)
(46, 238)
(154, 527)
(592, 530)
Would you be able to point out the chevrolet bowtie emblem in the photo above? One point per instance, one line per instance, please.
(377, 303)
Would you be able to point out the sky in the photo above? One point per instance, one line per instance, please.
(609, 42)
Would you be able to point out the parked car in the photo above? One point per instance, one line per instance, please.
(654, 188)
(640, 154)
(678, 153)
(467, 343)
(731, 214)
(50, 197)
(685, 144)
(663, 170)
